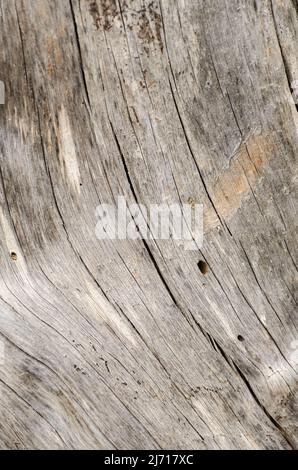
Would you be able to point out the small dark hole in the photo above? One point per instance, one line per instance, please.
(203, 267)
(240, 338)
(13, 256)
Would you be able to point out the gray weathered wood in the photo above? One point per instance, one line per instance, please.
(127, 344)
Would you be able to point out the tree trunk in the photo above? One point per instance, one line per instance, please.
(142, 344)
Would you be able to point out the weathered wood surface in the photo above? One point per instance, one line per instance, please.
(126, 344)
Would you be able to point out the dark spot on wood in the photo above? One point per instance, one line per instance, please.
(203, 267)
(13, 256)
(93, 9)
(145, 31)
(240, 338)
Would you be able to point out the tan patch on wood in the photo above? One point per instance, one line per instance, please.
(243, 174)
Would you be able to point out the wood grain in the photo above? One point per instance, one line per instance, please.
(127, 344)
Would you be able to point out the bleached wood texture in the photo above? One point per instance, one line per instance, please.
(125, 345)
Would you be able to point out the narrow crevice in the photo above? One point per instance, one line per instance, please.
(268, 300)
(224, 355)
(193, 156)
(284, 60)
(290, 255)
(258, 283)
(269, 416)
(207, 335)
(216, 74)
(22, 46)
(126, 105)
(43, 150)
(243, 138)
(9, 210)
(136, 199)
(232, 364)
(286, 68)
(166, 45)
(211, 340)
(80, 52)
(225, 293)
(253, 310)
